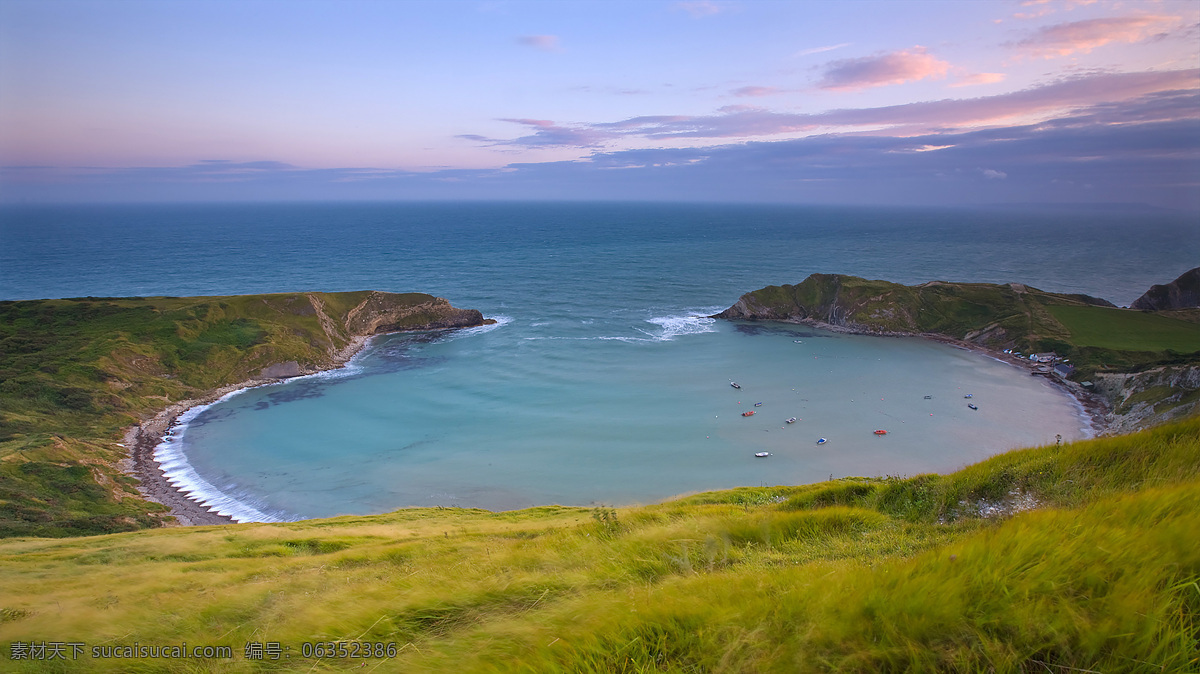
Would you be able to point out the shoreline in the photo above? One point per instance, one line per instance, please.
(1093, 405)
(144, 438)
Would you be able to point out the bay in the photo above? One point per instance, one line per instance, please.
(601, 382)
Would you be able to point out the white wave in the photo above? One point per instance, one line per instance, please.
(690, 324)
(180, 473)
(669, 327)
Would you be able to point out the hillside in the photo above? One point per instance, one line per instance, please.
(1147, 364)
(1072, 558)
(74, 373)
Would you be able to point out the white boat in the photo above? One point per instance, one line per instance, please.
(762, 454)
(735, 384)
(791, 420)
(822, 441)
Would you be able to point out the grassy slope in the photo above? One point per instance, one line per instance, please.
(1094, 337)
(73, 373)
(849, 575)
(1124, 330)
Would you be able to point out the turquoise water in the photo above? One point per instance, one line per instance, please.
(601, 381)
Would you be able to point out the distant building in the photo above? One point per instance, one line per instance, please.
(1043, 357)
(1063, 370)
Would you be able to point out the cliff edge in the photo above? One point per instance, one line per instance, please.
(1182, 293)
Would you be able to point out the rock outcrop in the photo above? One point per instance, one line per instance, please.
(1182, 293)
(1142, 399)
(386, 312)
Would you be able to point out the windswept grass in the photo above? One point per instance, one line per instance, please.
(856, 575)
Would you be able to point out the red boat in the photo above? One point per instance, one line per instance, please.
(748, 414)
(881, 432)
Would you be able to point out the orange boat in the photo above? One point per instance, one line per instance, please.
(748, 414)
(881, 432)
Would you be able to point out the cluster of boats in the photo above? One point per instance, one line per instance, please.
(821, 441)
(792, 420)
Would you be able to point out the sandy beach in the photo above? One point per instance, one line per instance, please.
(143, 439)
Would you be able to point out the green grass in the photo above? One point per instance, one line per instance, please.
(1095, 338)
(1127, 330)
(852, 575)
(74, 373)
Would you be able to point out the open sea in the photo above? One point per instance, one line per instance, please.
(601, 382)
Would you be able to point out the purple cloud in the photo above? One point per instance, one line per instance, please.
(546, 134)
(754, 91)
(883, 69)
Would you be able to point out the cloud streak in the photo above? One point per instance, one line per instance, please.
(1144, 149)
(905, 119)
(1064, 39)
(880, 70)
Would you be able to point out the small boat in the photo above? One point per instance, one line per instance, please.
(969, 395)
(791, 420)
(880, 432)
(758, 404)
(822, 441)
(762, 454)
(929, 397)
(735, 384)
(972, 406)
(748, 414)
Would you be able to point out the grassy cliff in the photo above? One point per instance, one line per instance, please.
(74, 372)
(1072, 558)
(1091, 332)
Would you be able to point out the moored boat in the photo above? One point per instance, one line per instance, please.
(822, 441)
(791, 420)
(880, 432)
(748, 414)
(762, 454)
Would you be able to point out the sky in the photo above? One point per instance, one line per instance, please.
(856, 102)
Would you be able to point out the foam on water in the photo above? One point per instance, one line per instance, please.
(172, 458)
(689, 324)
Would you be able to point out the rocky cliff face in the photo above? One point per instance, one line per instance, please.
(1144, 399)
(385, 312)
(1182, 293)
(345, 319)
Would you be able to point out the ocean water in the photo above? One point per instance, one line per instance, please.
(601, 382)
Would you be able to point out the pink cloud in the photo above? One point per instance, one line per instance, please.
(1064, 39)
(978, 78)
(755, 91)
(543, 42)
(875, 71)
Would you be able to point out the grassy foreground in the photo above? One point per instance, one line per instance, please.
(856, 575)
